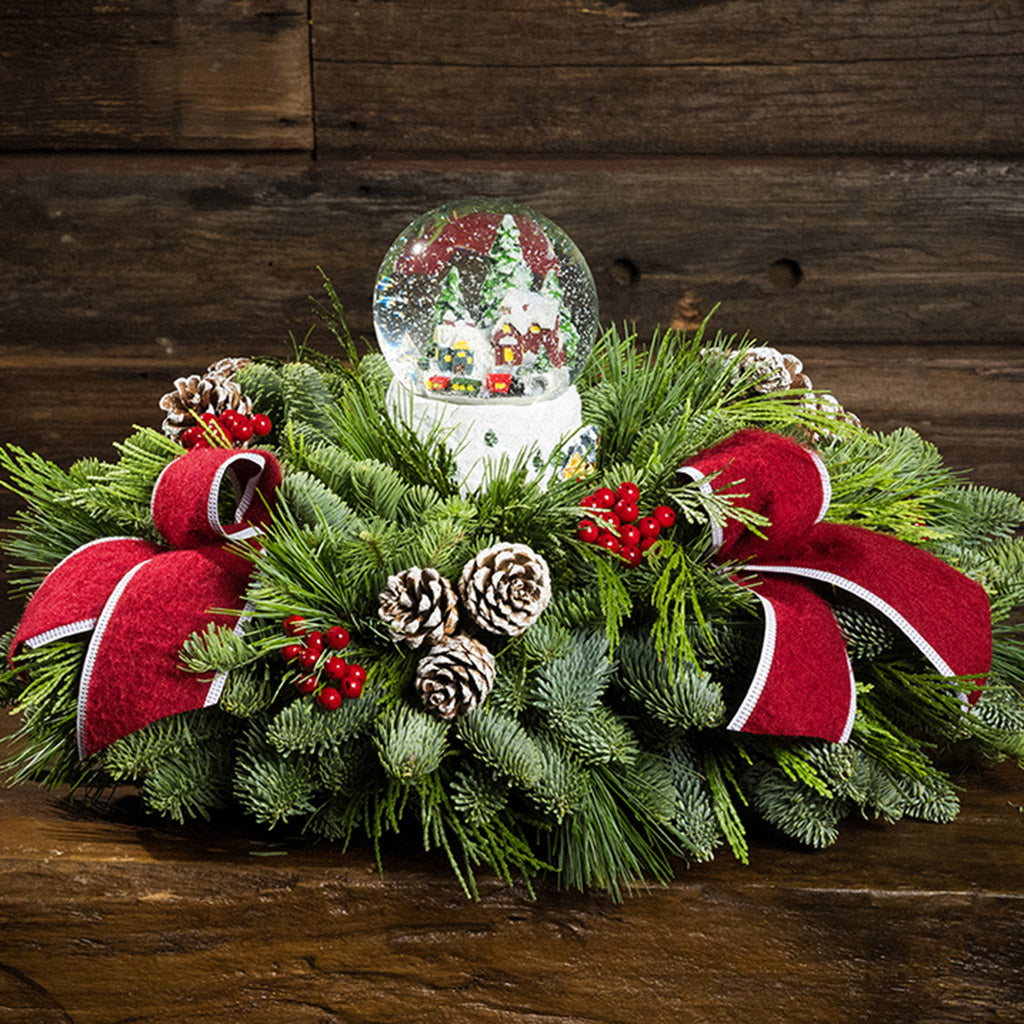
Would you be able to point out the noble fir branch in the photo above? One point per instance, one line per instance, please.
(998, 567)
(250, 690)
(271, 786)
(314, 504)
(303, 727)
(131, 757)
(190, 784)
(500, 742)
(563, 782)
(600, 737)
(977, 515)
(44, 748)
(797, 810)
(680, 695)
(263, 384)
(411, 743)
(694, 818)
(570, 687)
(220, 649)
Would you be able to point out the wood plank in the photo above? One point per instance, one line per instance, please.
(196, 74)
(606, 78)
(140, 257)
(118, 918)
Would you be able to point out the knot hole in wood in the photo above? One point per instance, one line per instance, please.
(785, 274)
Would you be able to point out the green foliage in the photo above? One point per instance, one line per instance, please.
(411, 743)
(602, 754)
(679, 696)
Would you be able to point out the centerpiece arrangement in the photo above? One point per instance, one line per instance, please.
(556, 603)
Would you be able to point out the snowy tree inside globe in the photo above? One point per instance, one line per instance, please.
(485, 310)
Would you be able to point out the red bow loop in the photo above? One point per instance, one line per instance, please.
(142, 602)
(801, 686)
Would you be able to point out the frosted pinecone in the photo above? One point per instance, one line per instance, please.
(505, 588)
(212, 392)
(419, 606)
(456, 676)
(227, 367)
(772, 370)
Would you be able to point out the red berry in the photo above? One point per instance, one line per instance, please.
(336, 668)
(261, 425)
(227, 418)
(608, 541)
(631, 555)
(208, 418)
(648, 542)
(351, 686)
(307, 684)
(329, 698)
(294, 625)
(291, 651)
(588, 531)
(241, 429)
(356, 672)
(649, 526)
(308, 658)
(605, 497)
(337, 638)
(665, 516)
(315, 640)
(630, 536)
(192, 436)
(626, 511)
(589, 502)
(627, 491)
(609, 520)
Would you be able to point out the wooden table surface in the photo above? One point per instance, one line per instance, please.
(113, 919)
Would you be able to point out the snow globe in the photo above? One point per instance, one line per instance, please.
(486, 313)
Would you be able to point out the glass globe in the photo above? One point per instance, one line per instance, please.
(485, 301)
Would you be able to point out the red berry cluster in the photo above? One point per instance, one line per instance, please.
(226, 430)
(614, 515)
(316, 654)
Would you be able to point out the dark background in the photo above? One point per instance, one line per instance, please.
(846, 179)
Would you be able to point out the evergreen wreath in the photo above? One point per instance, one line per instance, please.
(487, 672)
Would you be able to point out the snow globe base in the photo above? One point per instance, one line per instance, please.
(480, 434)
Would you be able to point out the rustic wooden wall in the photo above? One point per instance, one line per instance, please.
(846, 179)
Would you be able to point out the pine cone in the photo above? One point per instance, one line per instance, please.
(192, 396)
(505, 588)
(776, 371)
(227, 367)
(419, 606)
(456, 676)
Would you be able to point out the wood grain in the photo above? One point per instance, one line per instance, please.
(117, 919)
(560, 77)
(195, 74)
(146, 257)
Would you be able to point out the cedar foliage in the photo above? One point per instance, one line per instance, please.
(601, 756)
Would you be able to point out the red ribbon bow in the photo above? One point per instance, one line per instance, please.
(142, 602)
(803, 684)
